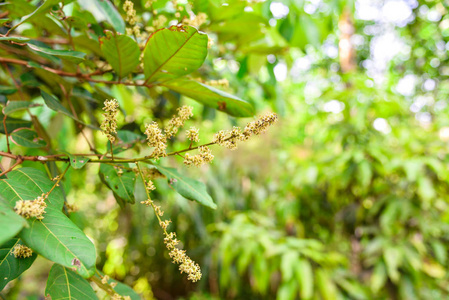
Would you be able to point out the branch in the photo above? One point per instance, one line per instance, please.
(81, 76)
(18, 162)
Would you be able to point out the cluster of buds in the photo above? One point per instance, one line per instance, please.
(196, 21)
(22, 251)
(193, 134)
(156, 139)
(32, 208)
(186, 264)
(230, 138)
(184, 113)
(131, 16)
(220, 82)
(205, 156)
(109, 124)
(120, 297)
(160, 21)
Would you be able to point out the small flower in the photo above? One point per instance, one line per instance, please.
(109, 124)
(32, 208)
(105, 279)
(204, 156)
(156, 139)
(22, 251)
(184, 113)
(186, 264)
(150, 186)
(193, 134)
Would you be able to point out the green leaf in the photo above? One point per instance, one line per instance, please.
(4, 21)
(326, 286)
(378, 277)
(287, 262)
(212, 97)
(73, 56)
(12, 124)
(40, 10)
(121, 52)
(49, 237)
(77, 162)
(187, 187)
(11, 267)
(17, 39)
(27, 184)
(393, 260)
(10, 222)
(13, 106)
(110, 13)
(27, 138)
(304, 275)
(55, 105)
(63, 283)
(174, 52)
(121, 184)
(7, 90)
(123, 289)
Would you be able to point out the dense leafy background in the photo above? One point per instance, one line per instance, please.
(346, 198)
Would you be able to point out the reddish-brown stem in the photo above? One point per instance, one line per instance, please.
(6, 134)
(80, 76)
(18, 162)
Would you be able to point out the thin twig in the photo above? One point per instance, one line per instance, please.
(18, 162)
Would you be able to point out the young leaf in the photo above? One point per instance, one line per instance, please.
(121, 184)
(13, 106)
(187, 187)
(27, 138)
(10, 266)
(63, 283)
(77, 162)
(121, 52)
(12, 124)
(173, 52)
(10, 222)
(211, 97)
(73, 56)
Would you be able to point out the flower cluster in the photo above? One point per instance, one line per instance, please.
(131, 17)
(22, 251)
(193, 134)
(230, 138)
(184, 113)
(205, 156)
(109, 124)
(119, 297)
(156, 139)
(32, 208)
(186, 264)
(196, 21)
